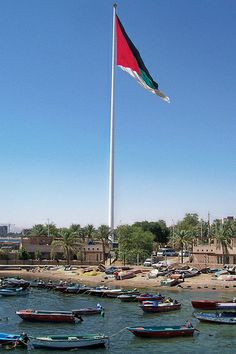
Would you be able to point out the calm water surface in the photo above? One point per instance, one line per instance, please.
(212, 338)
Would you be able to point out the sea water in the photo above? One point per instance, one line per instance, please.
(211, 338)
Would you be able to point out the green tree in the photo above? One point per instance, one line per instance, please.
(102, 234)
(75, 228)
(67, 240)
(223, 233)
(89, 231)
(181, 238)
(125, 241)
(158, 228)
(189, 222)
(23, 254)
(134, 242)
(38, 230)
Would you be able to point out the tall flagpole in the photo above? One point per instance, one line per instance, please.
(112, 130)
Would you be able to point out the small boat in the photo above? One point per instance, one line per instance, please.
(127, 297)
(156, 306)
(88, 311)
(125, 275)
(222, 317)
(14, 291)
(49, 316)
(72, 289)
(150, 297)
(170, 282)
(6, 338)
(214, 305)
(68, 342)
(14, 282)
(113, 293)
(162, 331)
(98, 291)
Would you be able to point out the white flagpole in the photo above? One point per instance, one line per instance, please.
(112, 129)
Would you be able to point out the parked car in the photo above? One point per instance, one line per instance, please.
(169, 252)
(148, 262)
(186, 253)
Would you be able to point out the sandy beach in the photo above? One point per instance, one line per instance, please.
(94, 278)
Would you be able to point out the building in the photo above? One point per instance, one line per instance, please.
(37, 245)
(91, 252)
(212, 253)
(3, 231)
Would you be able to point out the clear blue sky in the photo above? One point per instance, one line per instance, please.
(55, 75)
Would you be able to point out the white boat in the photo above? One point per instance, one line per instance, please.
(68, 342)
(14, 291)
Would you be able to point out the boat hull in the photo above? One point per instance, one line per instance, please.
(216, 318)
(213, 305)
(68, 343)
(47, 317)
(161, 332)
(149, 297)
(160, 308)
(205, 304)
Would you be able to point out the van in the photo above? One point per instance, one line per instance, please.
(168, 252)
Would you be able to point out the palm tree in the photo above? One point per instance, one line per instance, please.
(223, 232)
(102, 234)
(181, 238)
(68, 241)
(89, 231)
(38, 230)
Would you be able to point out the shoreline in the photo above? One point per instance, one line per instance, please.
(199, 283)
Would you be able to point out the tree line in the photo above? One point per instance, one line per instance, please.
(140, 240)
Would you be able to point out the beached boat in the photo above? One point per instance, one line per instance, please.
(222, 317)
(15, 283)
(68, 342)
(49, 316)
(125, 275)
(170, 282)
(151, 297)
(13, 291)
(162, 331)
(156, 306)
(213, 305)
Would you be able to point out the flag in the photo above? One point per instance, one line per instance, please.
(129, 59)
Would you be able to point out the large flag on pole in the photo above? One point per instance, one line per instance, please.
(129, 59)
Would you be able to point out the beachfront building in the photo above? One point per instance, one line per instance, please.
(37, 245)
(211, 253)
(90, 253)
(93, 252)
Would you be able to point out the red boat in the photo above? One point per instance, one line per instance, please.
(155, 306)
(149, 297)
(214, 305)
(162, 331)
(49, 316)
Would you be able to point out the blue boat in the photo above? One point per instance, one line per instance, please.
(221, 317)
(6, 338)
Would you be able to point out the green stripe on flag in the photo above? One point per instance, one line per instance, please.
(148, 81)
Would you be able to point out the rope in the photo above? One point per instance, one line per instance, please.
(115, 334)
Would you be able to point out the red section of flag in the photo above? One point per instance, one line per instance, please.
(125, 56)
